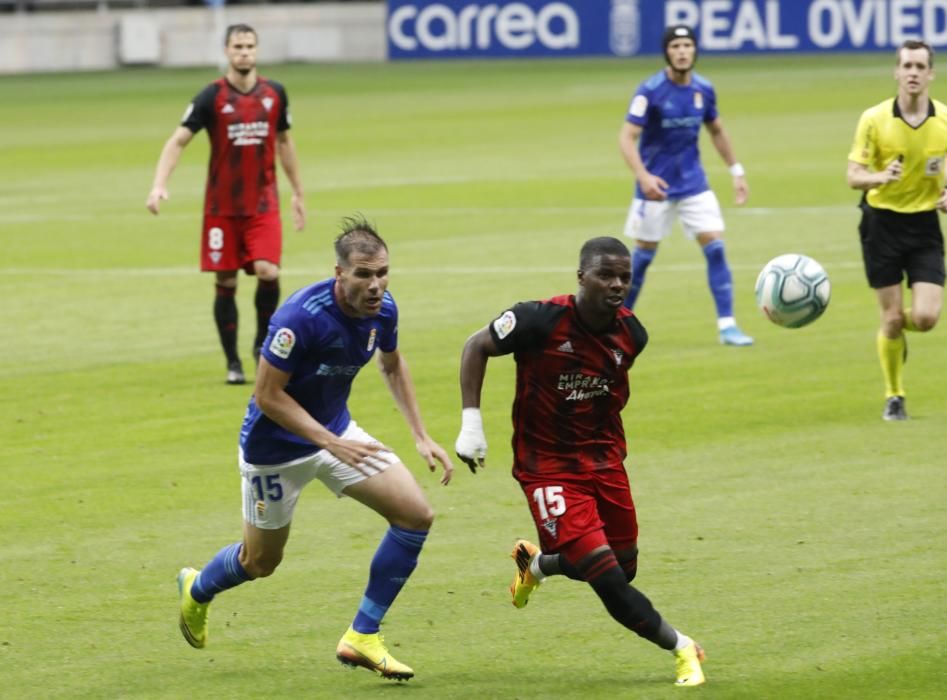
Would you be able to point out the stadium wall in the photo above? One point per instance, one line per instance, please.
(69, 41)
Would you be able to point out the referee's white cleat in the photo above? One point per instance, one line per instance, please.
(894, 409)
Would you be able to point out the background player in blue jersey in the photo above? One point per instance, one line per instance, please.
(659, 143)
(298, 428)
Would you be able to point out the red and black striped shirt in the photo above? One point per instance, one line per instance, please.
(242, 127)
(571, 385)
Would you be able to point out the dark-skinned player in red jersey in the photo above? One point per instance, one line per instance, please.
(572, 358)
(247, 121)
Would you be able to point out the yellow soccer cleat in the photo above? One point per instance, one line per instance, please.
(524, 583)
(688, 661)
(369, 651)
(193, 621)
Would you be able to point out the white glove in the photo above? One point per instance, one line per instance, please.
(471, 445)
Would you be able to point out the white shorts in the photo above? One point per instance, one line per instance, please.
(270, 491)
(649, 220)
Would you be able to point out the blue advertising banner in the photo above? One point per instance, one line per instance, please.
(465, 28)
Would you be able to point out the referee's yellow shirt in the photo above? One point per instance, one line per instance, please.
(882, 135)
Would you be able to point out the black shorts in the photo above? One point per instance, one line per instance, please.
(894, 244)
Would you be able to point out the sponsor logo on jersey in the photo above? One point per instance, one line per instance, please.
(505, 324)
(215, 256)
(565, 347)
(284, 340)
(325, 370)
(932, 167)
(260, 507)
(582, 387)
(681, 122)
(227, 109)
(248, 133)
(698, 100)
(371, 340)
(267, 103)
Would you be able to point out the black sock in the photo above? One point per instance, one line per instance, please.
(266, 299)
(225, 314)
(626, 604)
(556, 565)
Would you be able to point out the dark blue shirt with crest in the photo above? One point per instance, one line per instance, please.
(322, 349)
(670, 117)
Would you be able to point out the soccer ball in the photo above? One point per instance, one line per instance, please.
(792, 290)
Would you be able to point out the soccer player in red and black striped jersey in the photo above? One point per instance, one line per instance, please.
(247, 121)
(572, 358)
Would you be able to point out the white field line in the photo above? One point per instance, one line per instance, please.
(119, 273)
(39, 217)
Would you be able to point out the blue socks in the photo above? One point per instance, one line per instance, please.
(719, 278)
(394, 560)
(222, 572)
(640, 260)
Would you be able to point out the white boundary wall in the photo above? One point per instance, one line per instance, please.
(68, 41)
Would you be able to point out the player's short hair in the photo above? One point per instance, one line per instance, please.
(677, 31)
(238, 29)
(358, 236)
(911, 45)
(603, 245)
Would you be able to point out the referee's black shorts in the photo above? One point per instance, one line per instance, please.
(894, 244)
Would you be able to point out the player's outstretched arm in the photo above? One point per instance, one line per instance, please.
(167, 161)
(283, 409)
(394, 368)
(286, 150)
(471, 443)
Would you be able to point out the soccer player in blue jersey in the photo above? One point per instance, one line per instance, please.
(659, 142)
(298, 428)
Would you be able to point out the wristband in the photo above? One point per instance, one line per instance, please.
(737, 170)
(471, 420)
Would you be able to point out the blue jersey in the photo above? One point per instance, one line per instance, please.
(322, 349)
(670, 116)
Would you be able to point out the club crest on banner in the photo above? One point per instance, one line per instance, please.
(624, 28)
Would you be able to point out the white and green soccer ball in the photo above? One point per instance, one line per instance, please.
(793, 290)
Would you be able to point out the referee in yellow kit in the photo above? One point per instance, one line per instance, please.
(898, 159)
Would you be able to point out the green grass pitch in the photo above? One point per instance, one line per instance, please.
(783, 524)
